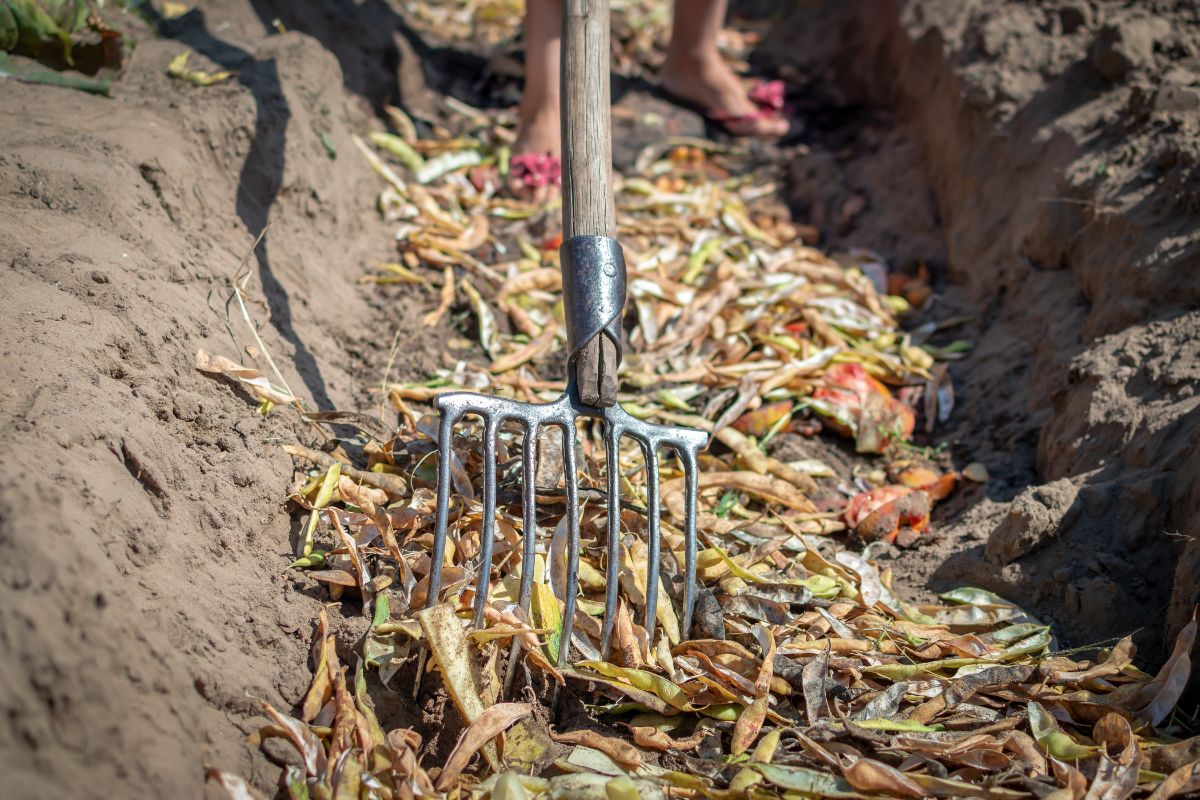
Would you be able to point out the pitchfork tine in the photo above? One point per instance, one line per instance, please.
(487, 534)
(653, 497)
(445, 453)
(529, 538)
(612, 445)
(688, 459)
(529, 511)
(568, 625)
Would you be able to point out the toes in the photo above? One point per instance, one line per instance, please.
(778, 126)
(759, 127)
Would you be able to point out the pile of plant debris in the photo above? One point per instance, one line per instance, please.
(69, 36)
(804, 675)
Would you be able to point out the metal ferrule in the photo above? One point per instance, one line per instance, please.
(593, 273)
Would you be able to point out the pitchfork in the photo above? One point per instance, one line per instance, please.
(593, 279)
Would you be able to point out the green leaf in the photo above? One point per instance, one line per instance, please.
(671, 400)
(9, 33)
(314, 560)
(820, 585)
(330, 147)
(1014, 633)
(447, 163)
(547, 614)
(808, 781)
(904, 672)
(325, 493)
(622, 708)
(381, 613)
(726, 712)
(35, 74)
(699, 258)
(1033, 644)
(378, 738)
(1051, 738)
(34, 26)
(969, 595)
(297, 783)
(898, 725)
(640, 679)
(726, 503)
(399, 148)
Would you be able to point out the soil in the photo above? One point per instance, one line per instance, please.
(1042, 161)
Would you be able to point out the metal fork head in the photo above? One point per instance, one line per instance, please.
(563, 413)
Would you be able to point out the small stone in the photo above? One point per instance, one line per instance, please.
(281, 752)
(1129, 45)
(1036, 516)
(1176, 98)
(1166, 157)
(975, 472)
(1062, 575)
(1074, 15)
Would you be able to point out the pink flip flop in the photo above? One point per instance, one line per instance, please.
(767, 95)
(535, 170)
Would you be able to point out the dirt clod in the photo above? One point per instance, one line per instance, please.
(1035, 516)
(1119, 49)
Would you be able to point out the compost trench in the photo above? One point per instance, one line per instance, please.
(1041, 162)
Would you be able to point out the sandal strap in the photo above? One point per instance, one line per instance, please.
(768, 94)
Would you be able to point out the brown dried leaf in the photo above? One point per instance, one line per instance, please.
(304, 740)
(338, 577)
(526, 353)
(815, 675)
(454, 657)
(546, 278)
(1168, 686)
(626, 650)
(750, 723)
(235, 787)
(1117, 779)
(872, 776)
(655, 739)
(542, 663)
(618, 750)
(1184, 780)
(487, 726)
(445, 299)
(321, 690)
(1071, 779)
(252, 379)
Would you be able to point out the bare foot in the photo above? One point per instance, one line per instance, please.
(538, 144)
(707, 81)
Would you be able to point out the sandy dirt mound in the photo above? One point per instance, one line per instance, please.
(145, 604)
(1041, 161)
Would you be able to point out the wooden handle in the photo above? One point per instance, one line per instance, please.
(587, 199)
(587, 202)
